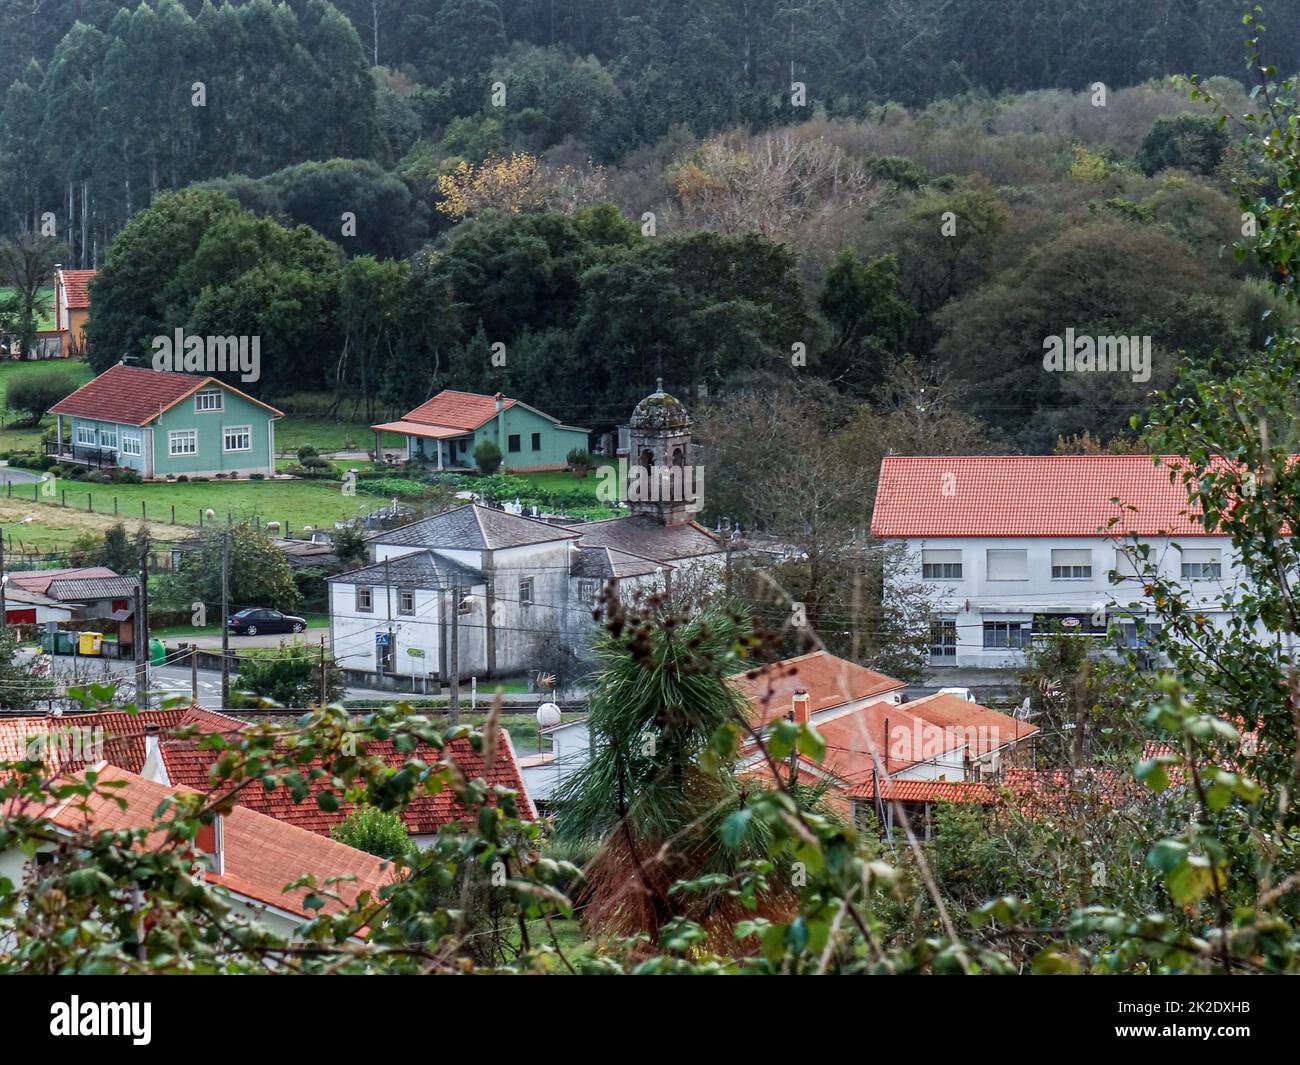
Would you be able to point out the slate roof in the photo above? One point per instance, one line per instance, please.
(420, 569)
(604, 563)
(76, 288)
(473, 528)
(646, 538)
(1031, 495)
(133, 395)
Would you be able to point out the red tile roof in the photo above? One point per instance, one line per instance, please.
(76, 288)
(188, 764)
(260, 854)
(68, 741)
(958, 791)
(828, 680)
(456, 410)
(1030, 495)
(133, 395)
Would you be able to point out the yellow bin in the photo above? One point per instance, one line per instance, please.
(89, 643)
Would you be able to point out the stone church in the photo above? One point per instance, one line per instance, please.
(513, 580)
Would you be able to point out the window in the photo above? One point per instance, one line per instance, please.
(212, 399)
(86, 435)
(943, 639)
(1201, 564)
(537, 441)
(941, 565)
(1128, 564)
(1071, 565)
(512, 442)
(130, 444)
(365, 600)
(183, 442)
(237, 438)
(464, 445)
(1130, 637)
(1007, 564)
(1006, 633)
(526, 591)
(406, 602)
(108, 437)
(588, 590)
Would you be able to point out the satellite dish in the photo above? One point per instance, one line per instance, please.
(548, 715)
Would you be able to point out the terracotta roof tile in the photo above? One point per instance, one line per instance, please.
(828, 680)
(188, 764)
(1030, 495)
(261, 854)
(130, 395)
(456, 410)
(76, 288)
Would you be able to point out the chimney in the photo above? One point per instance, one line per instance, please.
(802, 707)
(151, 731)
(501, 401)
(210, 840)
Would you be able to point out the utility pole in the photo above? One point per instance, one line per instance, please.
(388, 655)
(225, 615)
(4, 605)
(142, 624)
(453, 703)
(194, 672)
(322, 671)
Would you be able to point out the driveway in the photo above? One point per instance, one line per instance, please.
(312, 635)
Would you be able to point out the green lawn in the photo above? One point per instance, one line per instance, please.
(562, 481)
(297, 503)
(24, 438)
(325, 434)
(46, 320)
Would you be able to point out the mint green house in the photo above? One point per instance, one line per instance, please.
(164, 424)
(445, 430)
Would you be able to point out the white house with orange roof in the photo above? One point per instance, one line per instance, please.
(1016, 545)
(72, 309)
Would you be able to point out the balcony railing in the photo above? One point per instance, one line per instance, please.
(82, 454)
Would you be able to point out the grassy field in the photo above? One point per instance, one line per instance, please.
(325, 434)
(22, 438)
(297, 503)
(46, 320)
(562, 481)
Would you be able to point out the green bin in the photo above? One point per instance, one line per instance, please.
(157, 653)
(65, 642)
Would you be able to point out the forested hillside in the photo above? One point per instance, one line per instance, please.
(718, 193)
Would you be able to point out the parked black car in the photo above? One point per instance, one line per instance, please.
(253, 621)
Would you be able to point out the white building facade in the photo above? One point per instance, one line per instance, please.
(1019, 546)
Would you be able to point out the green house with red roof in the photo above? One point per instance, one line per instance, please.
(445, 430)
(163, 424)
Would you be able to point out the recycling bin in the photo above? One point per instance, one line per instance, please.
(90, 643)
(157, 653)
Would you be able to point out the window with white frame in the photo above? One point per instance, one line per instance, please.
(108, 436)
(1201, 564)
(131, 445)
(525, 591)
(365, 600)
(212, 399)
(183, 442)
(1128, 564)
(941, 565)
(1007, 564)
(237, 438)
(406, 602)
(86, 435)
(1071, 564)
